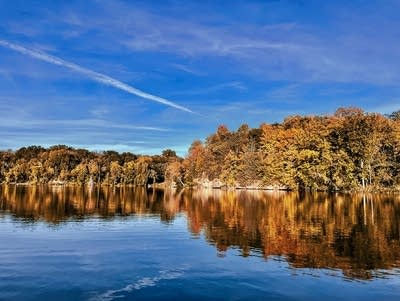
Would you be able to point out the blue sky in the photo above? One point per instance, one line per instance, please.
(229, 62)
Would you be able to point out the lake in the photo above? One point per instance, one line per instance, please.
(66, 243)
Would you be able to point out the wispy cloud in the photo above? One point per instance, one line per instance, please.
(354, 45)
(237, 85)
(99, 111)
(290, 93)
(88, 123)
(187, 69)
(386, 108)
(347, 49)
(99, 77)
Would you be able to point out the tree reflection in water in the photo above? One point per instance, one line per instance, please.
(358, 234)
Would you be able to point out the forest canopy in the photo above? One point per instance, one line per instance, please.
(348, 150)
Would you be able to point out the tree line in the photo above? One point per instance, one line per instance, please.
(63, 164)
(348, 150)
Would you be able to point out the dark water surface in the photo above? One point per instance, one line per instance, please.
(59, 243)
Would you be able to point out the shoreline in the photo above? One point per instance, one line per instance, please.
(165, 185)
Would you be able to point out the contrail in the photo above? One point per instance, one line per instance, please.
(99, 77)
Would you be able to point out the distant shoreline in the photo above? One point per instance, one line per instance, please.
(199, 187)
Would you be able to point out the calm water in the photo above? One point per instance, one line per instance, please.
(126, 244)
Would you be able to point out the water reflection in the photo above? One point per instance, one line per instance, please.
(358, 234)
